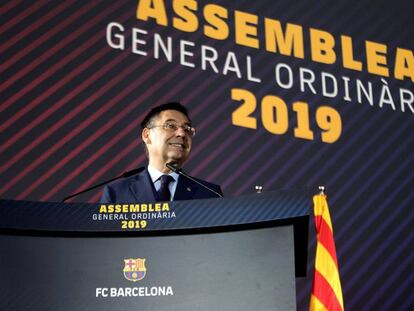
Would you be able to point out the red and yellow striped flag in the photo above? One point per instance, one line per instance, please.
(326, 290)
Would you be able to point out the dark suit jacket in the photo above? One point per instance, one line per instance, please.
(140, 189)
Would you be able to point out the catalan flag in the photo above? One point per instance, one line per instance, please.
(326, 290)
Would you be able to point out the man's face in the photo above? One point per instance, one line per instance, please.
(165, 145)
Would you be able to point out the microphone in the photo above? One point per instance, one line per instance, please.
(177, 170)
(124, 174)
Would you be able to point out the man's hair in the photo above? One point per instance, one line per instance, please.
(154, 112)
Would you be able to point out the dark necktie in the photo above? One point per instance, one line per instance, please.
(164, 193)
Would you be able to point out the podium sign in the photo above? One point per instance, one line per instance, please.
(223, 254)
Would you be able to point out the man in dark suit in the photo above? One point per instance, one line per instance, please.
(167, 136)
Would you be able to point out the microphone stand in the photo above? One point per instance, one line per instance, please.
(177, 170)
(125, 174)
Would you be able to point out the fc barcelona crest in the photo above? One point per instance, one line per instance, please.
(134, 269)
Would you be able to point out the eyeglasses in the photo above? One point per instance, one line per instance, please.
(173, 127)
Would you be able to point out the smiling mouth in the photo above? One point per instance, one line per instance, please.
(177, 145)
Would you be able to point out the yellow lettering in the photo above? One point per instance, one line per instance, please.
(404, 64)
(246, 29)
(285, 39)
(376, 59)
(154, 9)
(187, 20)
(292, 40)
(215, 16)
(242, 116)
(275, 115)
(165, 207)
(102, 209)
(134, 208)
(322, 44)
(348, 55)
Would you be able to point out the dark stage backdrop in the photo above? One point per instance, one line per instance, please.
(283, 94)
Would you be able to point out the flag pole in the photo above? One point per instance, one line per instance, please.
(326, 289)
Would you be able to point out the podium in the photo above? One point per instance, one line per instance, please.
(216, 254)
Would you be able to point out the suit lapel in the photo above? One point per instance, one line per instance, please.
(185, 189)
(142, 188)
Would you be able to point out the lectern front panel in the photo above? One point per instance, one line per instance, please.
(235, 270)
